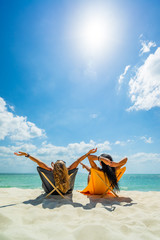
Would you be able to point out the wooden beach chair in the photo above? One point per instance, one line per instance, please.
(99, 183)
(48, 182)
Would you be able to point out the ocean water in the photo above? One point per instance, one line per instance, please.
(129, 182)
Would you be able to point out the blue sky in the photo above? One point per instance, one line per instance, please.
(80, 74)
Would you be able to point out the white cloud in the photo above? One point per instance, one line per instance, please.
(11, 107)
(47, 152)
(138, 162)
(144, 87)
(123, 143)
(8, 151)
(121, 77)
(16, 127)
(141, 35)
(147, 140)
(144, 157)
(146, 46)
(94, 115)
(90, 70)
(103, 147)
(72, 150)
(120, 143)
(142, 162)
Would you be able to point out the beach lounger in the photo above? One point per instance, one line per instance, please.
(99, 183)
(48, 182)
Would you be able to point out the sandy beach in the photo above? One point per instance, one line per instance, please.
(27, 214)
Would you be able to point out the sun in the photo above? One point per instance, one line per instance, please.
(93, 34)
(94, 31)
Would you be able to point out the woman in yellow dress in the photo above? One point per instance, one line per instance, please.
(109, 172)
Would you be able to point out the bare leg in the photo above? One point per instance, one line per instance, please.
(89, 176)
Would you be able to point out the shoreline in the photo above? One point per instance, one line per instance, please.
(142, 182)
(27, 214)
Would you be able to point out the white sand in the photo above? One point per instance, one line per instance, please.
(27, 215)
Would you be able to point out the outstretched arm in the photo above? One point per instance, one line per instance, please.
(76, 163)
(93, 158)
(86, 167)
(39, 162)
(122, 162)
(113, 164)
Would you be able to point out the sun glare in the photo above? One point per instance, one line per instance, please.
(94, 31)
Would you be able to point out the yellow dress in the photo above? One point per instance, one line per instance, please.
(97, 182)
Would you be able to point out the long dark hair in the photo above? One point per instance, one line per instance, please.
(110, 172)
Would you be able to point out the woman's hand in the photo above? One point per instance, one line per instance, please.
(20, 154)
(82, 164)
(92, 151)
(123, 161)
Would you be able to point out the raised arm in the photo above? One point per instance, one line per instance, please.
(113, 164)
(122, 162)
(92, 159)
(76, 163)
(39, 162)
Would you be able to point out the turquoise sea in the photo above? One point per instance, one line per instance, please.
(129, 182)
